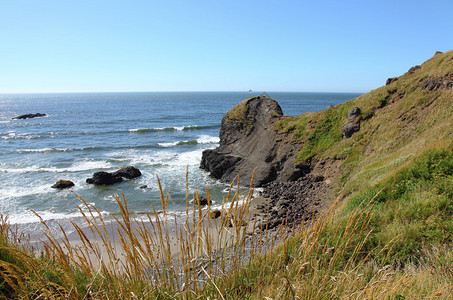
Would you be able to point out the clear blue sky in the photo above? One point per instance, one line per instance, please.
(216, 45)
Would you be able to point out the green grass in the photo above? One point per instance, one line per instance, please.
(239, 116)
(415, 206)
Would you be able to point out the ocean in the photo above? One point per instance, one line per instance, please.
(161, 133)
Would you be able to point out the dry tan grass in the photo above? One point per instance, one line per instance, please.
(156, 251)
(208, 261)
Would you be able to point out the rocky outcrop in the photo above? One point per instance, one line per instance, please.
(354, 126)
(29, 116)
(436, 84)
(248, 141)
(354, 113)
(391, 80)
(413, 69)
(106, 178)
(410, 72)
(63, 184)
(350, 128)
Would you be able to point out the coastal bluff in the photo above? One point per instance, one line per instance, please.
(248, 141)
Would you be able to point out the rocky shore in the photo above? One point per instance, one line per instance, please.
(292, 203)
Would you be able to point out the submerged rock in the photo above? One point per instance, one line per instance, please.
(29, 116)
(63, 184)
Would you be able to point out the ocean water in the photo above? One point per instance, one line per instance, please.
(161, 133)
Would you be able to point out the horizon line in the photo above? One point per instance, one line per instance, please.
(187, 91)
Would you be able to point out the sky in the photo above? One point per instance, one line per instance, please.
(216, 45)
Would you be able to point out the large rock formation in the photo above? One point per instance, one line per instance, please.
(248, 141)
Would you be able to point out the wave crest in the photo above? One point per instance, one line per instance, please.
(174, 128)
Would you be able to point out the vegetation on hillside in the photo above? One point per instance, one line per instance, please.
(388, 235)
(398, 122)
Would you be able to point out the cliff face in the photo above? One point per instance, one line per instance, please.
(248, 141)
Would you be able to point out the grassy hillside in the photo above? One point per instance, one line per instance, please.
(397, 175)
(389, 234)
(398, 122)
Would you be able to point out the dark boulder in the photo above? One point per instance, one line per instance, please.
(29, 116)
(391, 80)
(354, 113)
(104, 178)
(215, 214)
(413, 69)
(63, 184)
(203, 200)
(128, 172)
(350, 128)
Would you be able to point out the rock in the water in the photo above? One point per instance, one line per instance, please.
(215, 214)
(203, 200)
(354, 113)
(128, 172)
(63, 184)
(104, 178)
(349, 129)
(29, 116)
